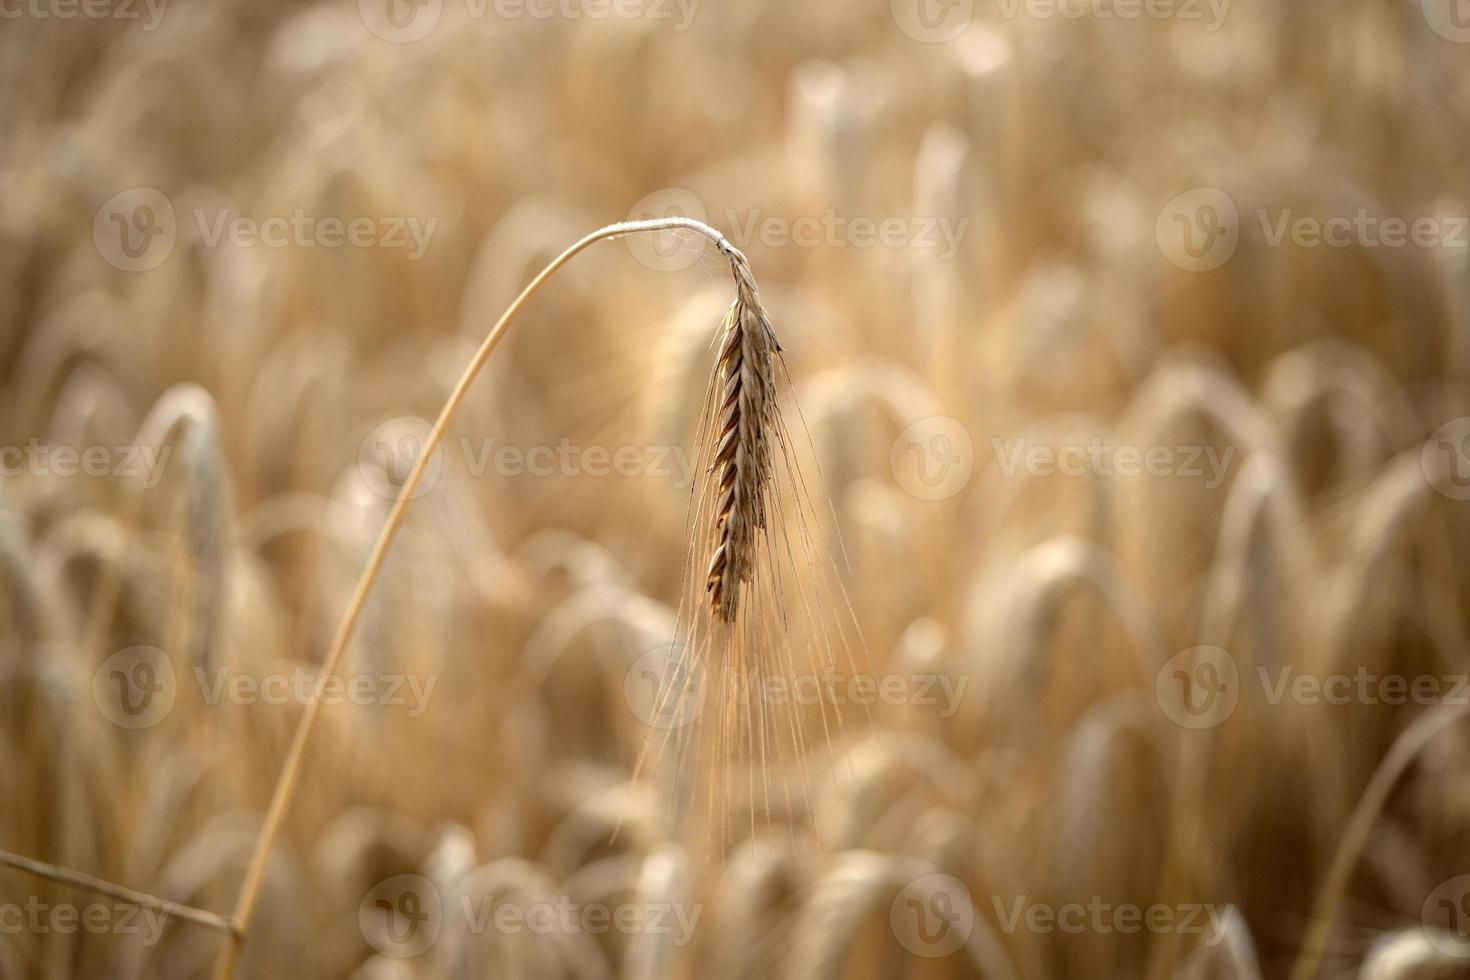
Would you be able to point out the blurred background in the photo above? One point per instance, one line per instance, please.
(1131, 341)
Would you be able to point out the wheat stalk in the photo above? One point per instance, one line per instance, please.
(749, 405)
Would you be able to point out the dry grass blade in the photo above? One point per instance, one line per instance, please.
(86, 882)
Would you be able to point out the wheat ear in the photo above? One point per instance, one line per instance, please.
(749, 342)
(746, 378)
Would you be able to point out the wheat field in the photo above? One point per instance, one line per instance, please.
(1002, 510)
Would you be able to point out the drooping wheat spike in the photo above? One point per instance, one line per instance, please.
(746, 423)
(751, 470)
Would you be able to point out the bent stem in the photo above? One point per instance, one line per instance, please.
(291, 773)
(1401, 754)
